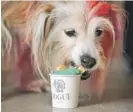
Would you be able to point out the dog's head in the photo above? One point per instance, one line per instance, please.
(78, 33)
(85, 34)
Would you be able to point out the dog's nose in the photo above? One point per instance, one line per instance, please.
(87, 61)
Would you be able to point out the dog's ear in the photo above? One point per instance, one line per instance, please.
(117, 16)
(37, 29)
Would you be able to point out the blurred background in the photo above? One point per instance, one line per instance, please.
(118, 95)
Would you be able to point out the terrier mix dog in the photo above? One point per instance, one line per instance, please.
(42, 35)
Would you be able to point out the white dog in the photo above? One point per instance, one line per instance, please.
(48, 34)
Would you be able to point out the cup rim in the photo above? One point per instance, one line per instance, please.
(52, 74)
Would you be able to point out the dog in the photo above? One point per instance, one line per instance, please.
(41, 35)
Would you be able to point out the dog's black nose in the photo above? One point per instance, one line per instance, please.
(87, 61)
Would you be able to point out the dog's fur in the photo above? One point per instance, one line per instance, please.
(34, 33)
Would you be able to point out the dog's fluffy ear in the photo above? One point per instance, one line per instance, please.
(38, 28)
(117, 17)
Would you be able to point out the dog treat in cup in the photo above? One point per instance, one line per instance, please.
(61, 67)
(65, 84)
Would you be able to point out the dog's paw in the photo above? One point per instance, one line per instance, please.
(46, 87)
(35, 86)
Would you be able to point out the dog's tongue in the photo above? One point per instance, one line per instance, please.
(85, 75)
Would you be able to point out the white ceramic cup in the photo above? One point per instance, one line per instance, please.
(65, 90)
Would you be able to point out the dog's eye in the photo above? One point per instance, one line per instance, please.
(98, 32)
(70, 32)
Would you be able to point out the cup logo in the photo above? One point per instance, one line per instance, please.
(59, 85)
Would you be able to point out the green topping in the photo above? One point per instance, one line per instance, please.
(68, 71)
